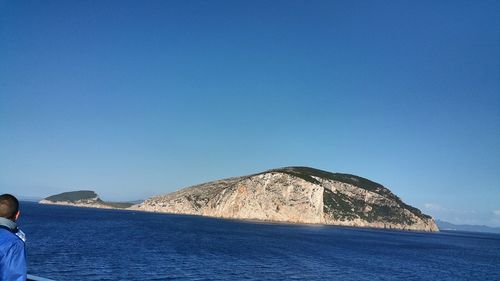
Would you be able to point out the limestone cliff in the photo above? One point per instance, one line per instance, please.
(298, 195)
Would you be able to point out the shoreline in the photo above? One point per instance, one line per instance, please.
(64, 203)
(246, 220)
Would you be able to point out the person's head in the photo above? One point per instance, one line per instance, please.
(9, 207)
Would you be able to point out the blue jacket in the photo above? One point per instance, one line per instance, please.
(12, 253)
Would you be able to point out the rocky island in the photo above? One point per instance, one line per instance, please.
(83, 198)
(290, 194)
(295, 195)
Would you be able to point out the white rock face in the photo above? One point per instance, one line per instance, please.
(282, 196)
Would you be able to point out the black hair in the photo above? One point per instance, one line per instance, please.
(9, 206)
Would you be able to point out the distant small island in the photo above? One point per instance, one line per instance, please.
(443, 225)
(83, 198)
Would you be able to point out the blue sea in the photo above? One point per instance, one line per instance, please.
(68, 243)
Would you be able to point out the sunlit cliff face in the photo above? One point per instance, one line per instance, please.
(295, 195)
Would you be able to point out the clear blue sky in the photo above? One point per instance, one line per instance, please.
(137, 98)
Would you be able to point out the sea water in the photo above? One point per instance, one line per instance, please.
(69, 243)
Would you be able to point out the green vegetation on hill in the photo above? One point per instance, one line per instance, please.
(73, 196)
(340, 207)
(308, 174)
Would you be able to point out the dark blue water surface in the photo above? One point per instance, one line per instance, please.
(68, 243)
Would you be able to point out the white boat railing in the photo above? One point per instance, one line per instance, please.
(36, 278)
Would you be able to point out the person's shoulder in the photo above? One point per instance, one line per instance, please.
(9, 239)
